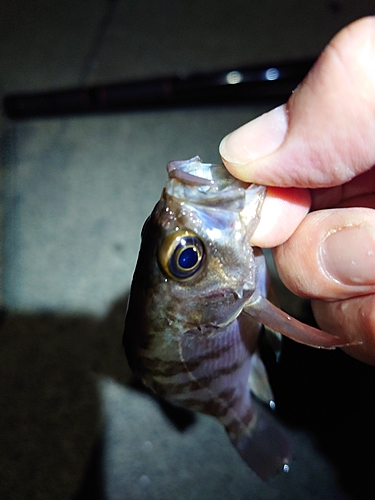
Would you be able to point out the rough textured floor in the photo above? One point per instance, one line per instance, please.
(74, 194)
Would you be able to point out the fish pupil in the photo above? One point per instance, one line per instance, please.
(188, 258)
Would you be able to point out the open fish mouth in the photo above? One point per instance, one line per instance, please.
(195, 172)
(202, 177)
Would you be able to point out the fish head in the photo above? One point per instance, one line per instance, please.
(205, 264)
(196, 266)
(202, 266)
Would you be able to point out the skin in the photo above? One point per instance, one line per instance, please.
(317, 155)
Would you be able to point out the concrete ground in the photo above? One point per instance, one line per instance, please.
(74, 194)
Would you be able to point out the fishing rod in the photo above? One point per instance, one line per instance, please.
(266, 82)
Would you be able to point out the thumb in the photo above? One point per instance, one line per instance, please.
(325, 134)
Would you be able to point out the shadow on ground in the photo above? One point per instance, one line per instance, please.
(50, 418)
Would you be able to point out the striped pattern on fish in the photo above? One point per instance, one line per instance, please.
(210, 374)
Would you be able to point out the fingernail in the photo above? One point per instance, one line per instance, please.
(256, 139)
(348, 255)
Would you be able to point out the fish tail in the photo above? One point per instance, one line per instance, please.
(263, 445)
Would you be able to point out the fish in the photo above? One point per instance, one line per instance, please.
(197, 303)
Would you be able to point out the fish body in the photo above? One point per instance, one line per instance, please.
(196, 305)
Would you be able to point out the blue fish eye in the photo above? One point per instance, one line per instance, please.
(181, 255)
(188, 258)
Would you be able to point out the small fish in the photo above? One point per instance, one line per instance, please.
(197, 302)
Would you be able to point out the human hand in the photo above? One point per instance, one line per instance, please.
(317, 154)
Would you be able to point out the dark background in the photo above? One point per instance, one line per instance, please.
(74, 195)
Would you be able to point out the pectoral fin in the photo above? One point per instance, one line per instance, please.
(258, 381)
(262, 310)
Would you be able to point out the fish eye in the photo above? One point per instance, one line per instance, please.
(181, 255)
